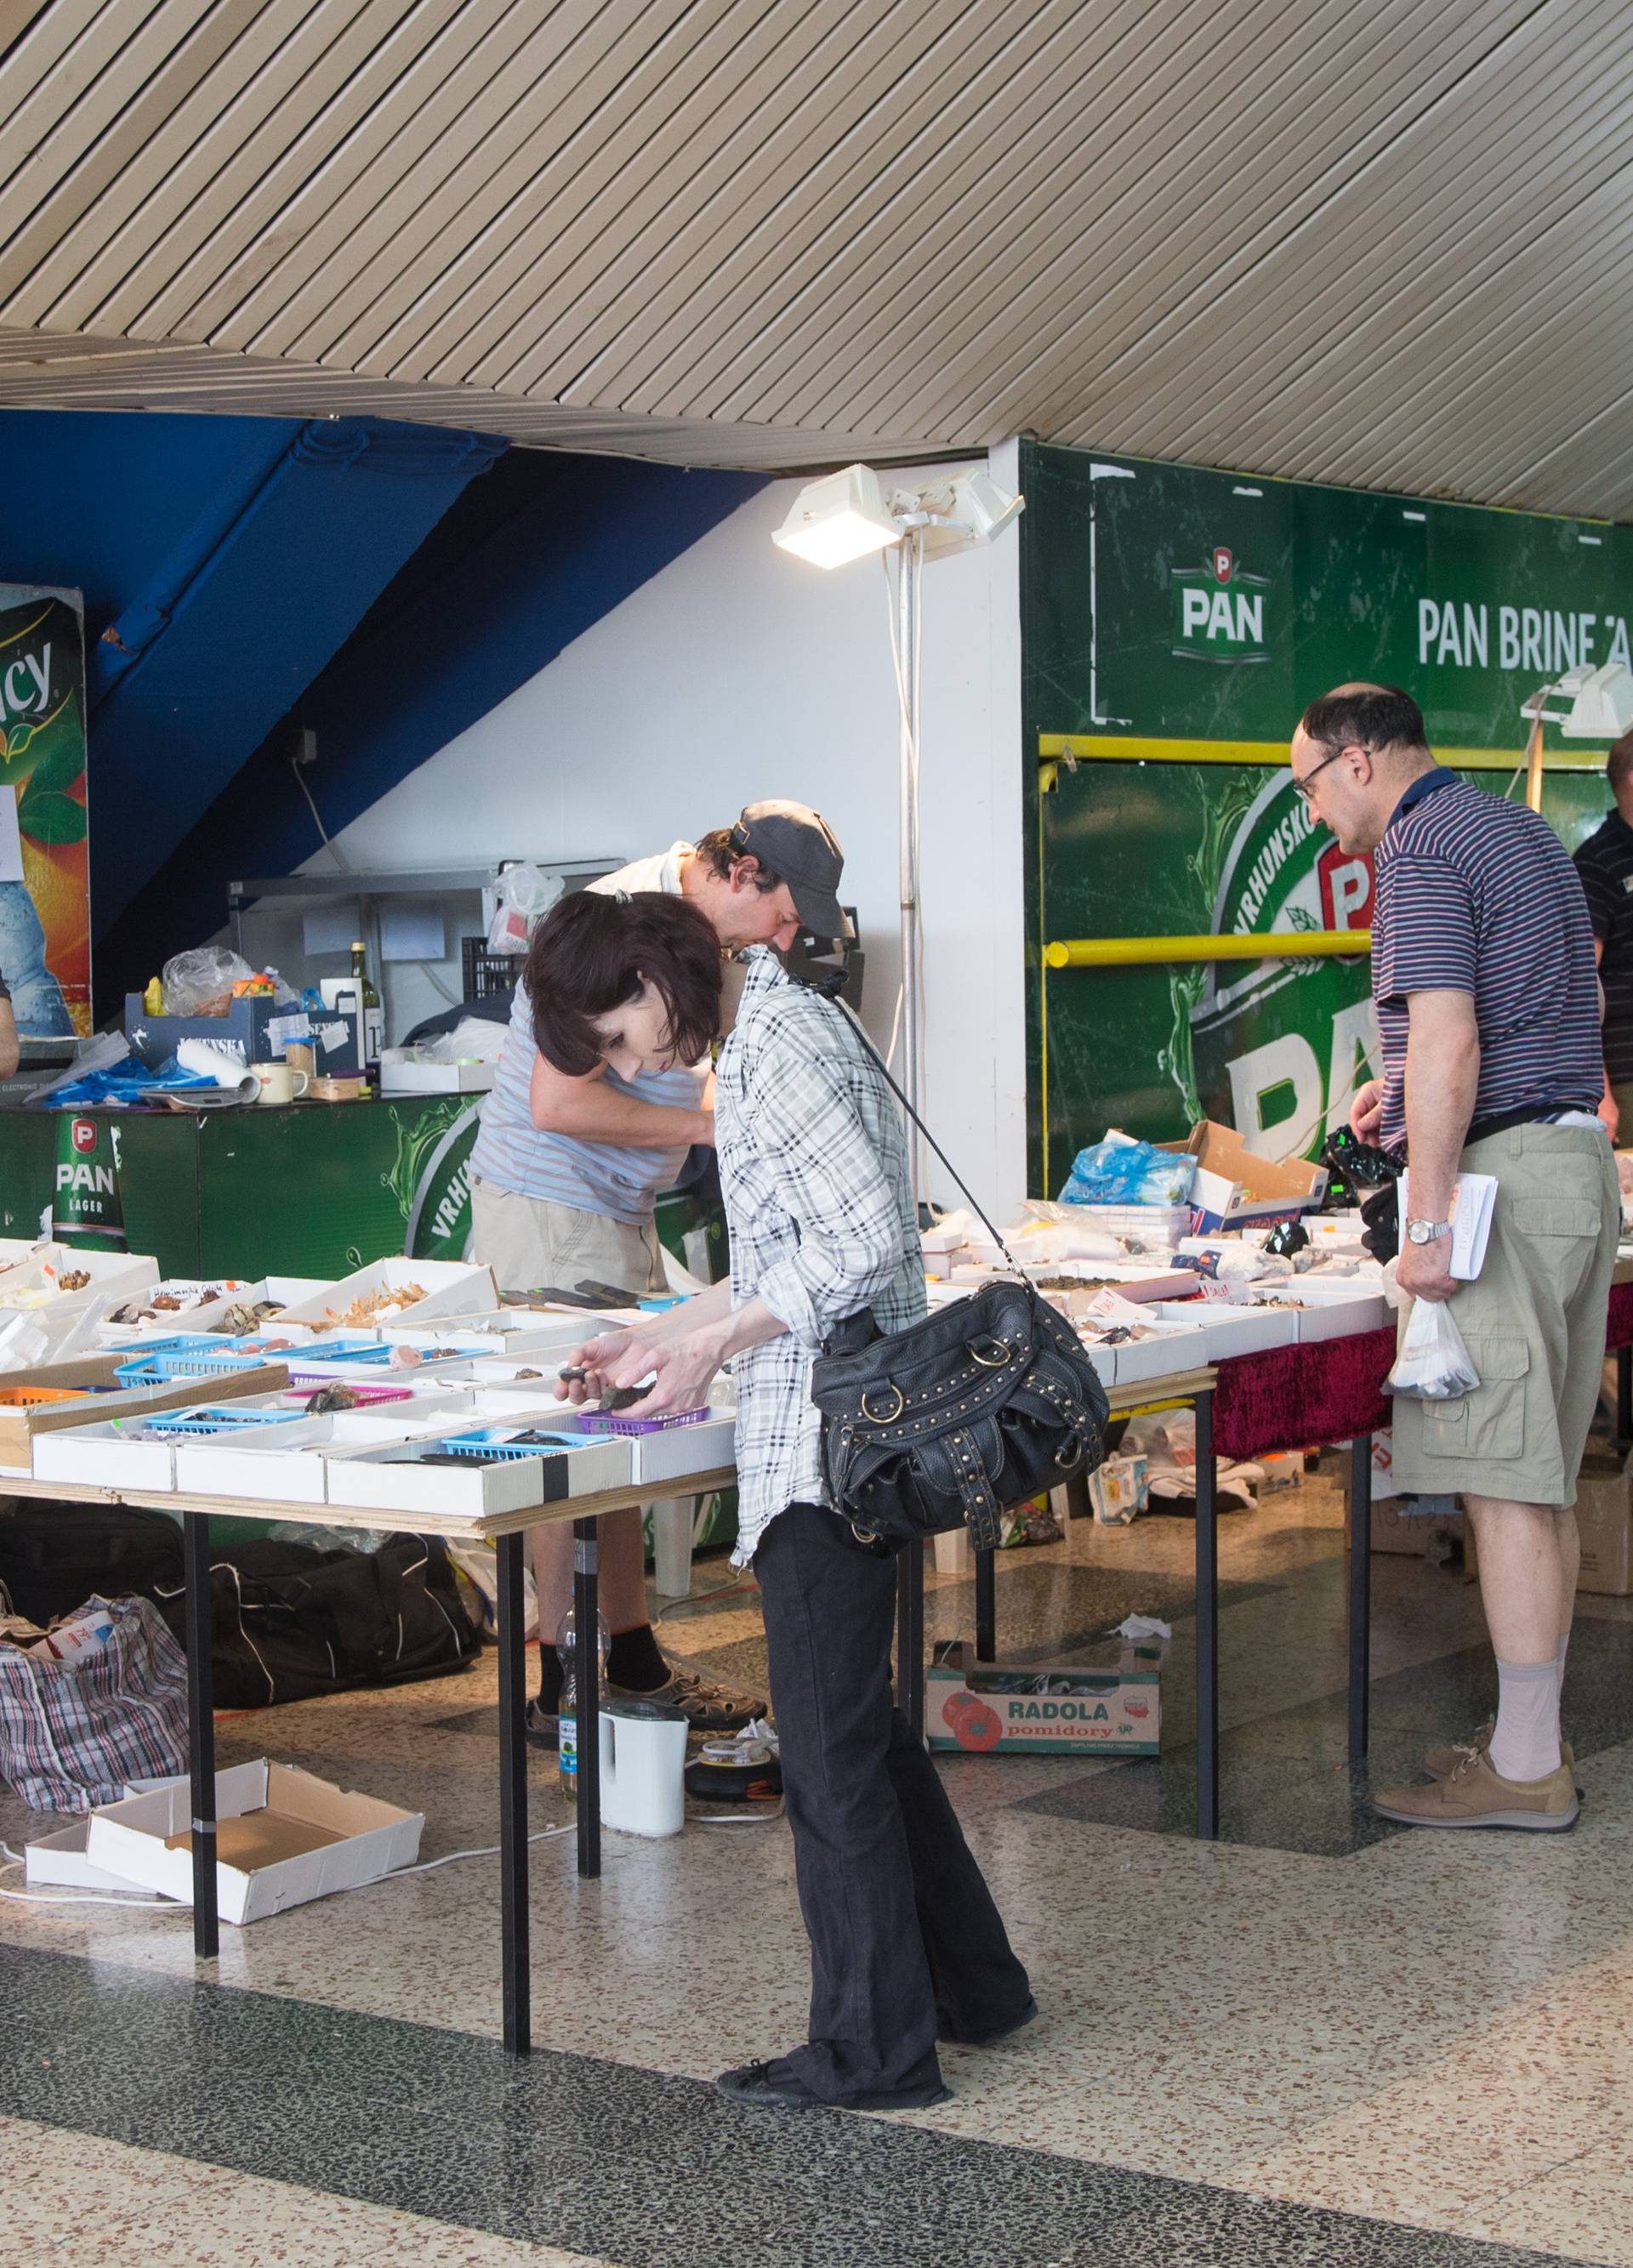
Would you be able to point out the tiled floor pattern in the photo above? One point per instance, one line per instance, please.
(1430, 2031)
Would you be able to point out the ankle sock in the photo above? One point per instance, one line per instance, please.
(634, 1662)
(1526, 1743)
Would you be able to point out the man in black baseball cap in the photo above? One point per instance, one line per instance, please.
(796, 843)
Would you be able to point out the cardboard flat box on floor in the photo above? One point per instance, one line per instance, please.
(1413, 1528)
(284, 1838)
(1046, 1708)
(61, 1861)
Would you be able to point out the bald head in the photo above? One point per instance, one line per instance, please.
(1355, 752)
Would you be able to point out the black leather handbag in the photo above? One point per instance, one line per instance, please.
(951, 1421)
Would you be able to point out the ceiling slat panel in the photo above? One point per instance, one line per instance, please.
(1390, 244)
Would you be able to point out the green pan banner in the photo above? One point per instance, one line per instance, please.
(1179, 621)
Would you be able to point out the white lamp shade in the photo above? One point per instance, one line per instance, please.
(979, 510)
(840, 518)
(1603, 707)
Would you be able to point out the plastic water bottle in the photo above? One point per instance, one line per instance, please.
(567, 1707)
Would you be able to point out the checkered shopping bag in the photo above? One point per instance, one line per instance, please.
(72, 1733)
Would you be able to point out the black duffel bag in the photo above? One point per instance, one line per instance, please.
(292, 1621)
(949, 1423)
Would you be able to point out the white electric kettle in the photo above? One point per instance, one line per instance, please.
(643, 1767)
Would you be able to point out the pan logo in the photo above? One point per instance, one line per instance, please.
(1219, 612)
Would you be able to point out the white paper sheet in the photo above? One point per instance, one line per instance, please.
(329, 929)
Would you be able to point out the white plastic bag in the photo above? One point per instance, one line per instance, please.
(526, 893)
(1433, 1363)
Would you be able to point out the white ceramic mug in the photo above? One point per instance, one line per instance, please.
(278, 1082)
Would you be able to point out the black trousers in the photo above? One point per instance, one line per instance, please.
(907, 1942)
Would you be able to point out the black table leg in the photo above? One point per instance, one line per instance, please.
(1360, 1592)
(587, 1672)
(986, 1607)
(201, 1733)
(1207, 1625)
(512, 1701)
(910, 1636)
(1625, 1396)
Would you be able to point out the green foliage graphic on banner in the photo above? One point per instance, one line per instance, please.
(1179, 621)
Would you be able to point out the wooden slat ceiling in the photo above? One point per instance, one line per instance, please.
(1384, 244)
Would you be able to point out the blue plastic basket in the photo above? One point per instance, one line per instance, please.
(489, 1447)
(225, 1419)
(207, 1359)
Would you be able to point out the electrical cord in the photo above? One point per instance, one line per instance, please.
(334, 849)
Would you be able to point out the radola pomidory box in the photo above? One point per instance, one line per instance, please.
(984, 1708)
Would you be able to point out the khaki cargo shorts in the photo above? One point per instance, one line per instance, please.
(530, 1242)
(1534, 1322)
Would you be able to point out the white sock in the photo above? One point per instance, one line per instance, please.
(1525, 1744)
(1559, 1678)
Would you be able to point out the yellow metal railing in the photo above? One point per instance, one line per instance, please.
(1136, 952)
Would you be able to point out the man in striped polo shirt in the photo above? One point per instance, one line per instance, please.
(1605, 861)
(1487, 1009)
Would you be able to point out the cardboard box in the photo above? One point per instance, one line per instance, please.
(447, 1287)
(24, 1423)
(1045, 1709)
(282, 1838)
(404, 1071)
(254, 1029)
(62, 1861)
(677, 1450)
(396, 1478)
(1228, 1330)
(290, 1464)
(1325, 1314)
(1416, 1528)
(1164, 1354)
(34, 1286)
(1235, 1188)
(1605, 1522)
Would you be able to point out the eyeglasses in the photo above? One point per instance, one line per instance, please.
(1303, 785)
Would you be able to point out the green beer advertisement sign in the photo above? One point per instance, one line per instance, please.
(86, 1209)
(1175, 624)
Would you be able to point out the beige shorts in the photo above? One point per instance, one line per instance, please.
(1534, 1322)
(528, 1243)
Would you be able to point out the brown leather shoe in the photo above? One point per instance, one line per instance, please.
(1472, 1794)
(1439, 1762)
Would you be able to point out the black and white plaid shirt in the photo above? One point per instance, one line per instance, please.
(813, 1164)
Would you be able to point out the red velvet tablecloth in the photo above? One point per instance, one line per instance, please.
(1291, 1397)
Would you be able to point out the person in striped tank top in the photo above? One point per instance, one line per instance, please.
(1487, 1009)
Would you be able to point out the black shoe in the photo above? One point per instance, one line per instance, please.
(989, 2039)
(751, 2084)
(543, 1731)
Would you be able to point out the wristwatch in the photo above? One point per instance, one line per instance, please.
(1427, 1232)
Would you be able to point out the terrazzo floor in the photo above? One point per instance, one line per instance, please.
(1317, 2040)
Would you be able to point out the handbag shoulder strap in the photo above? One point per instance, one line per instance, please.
(963, 1187)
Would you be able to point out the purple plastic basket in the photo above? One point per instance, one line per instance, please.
(603, 1421)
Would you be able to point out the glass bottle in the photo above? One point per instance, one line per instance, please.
(370, 1021)
(567, 1707)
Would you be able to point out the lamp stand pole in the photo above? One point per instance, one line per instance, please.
(909, 593)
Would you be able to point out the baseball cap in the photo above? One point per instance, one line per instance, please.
(792, 840)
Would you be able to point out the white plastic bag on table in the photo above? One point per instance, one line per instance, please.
(200, 982)
(1433, 1364)
(526, 893)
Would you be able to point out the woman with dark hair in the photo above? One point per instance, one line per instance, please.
(907, 1946)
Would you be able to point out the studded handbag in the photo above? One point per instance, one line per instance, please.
(951, 1422)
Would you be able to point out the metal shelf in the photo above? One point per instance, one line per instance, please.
(434, 882)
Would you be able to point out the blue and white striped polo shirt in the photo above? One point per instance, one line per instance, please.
(1477, 895)
(594, 1176)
